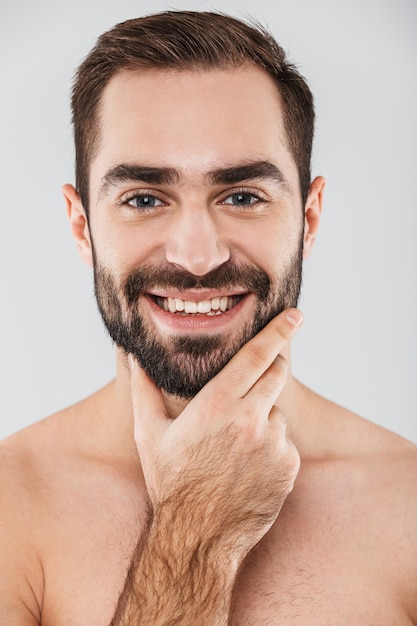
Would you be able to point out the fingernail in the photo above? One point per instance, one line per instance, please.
(295, 317)
(131, 361)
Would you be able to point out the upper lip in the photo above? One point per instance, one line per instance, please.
(196, 295)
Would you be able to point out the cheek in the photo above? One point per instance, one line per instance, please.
(124, 248)
(271, 246)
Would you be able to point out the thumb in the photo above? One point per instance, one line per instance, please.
(149, 410)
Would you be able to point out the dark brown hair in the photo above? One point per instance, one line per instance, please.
(184, 40)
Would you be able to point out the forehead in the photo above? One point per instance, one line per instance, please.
(190, 120)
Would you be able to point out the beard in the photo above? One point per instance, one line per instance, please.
(182, 364)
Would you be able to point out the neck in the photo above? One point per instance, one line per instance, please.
(298, 404)
(287, 400)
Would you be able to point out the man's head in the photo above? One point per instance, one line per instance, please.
(187, 40)
(195, 225)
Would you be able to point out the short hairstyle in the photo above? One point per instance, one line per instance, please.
(188, 40)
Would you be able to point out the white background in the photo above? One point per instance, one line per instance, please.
(358, 345)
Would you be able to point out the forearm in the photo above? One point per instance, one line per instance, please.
(177, 576)
(217, 477)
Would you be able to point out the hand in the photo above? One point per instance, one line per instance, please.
(224, 465)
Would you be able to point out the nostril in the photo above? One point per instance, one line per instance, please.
(197, 261)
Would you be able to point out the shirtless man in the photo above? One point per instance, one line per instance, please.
(205, 484)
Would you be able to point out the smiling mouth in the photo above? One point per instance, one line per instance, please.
(214, 306)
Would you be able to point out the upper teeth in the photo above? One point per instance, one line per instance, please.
(215, 305)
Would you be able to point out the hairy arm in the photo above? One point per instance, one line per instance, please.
(172, 581)
(217, 477)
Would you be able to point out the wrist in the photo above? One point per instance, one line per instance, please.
(193, 547)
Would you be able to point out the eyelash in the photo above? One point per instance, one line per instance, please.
(125, 200)
(244, 192)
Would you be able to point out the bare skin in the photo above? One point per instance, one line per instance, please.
(342, 549)
(206, 518)
(258, 539)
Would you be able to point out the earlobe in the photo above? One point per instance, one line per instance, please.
(312, 213)
(79, 223)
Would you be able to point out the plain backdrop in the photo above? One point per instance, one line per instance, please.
(358, 345)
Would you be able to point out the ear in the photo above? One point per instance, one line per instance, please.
(79, 223)
(312, 214)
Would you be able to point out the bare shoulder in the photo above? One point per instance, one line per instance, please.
(75, 441)
(378, 446)
(21, 572)
(388, 469)
(385, 459)
(373, 472)
(34, 463)
(71, 493)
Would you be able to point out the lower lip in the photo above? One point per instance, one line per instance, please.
(196, 322)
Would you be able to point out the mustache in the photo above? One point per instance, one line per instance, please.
(226, 276)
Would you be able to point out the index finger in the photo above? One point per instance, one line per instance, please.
(256, 356)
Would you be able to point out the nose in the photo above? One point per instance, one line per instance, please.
(194, 242)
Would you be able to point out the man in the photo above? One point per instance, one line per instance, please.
(204, 485)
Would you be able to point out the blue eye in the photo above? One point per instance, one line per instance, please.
(241, 199)
(145, 201)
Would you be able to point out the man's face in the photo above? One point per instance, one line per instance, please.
(195, 217)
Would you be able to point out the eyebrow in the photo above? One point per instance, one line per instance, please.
(254, 170)
(137, 173)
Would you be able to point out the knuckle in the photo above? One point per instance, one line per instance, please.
(279, 368)
(291, 462)
(283, 330)
(293, 457)
(251, 430)
(281, 337)
(256, 356)
(272, 382)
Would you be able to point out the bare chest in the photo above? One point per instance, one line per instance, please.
(336, 555)
(317, 576)
(327, 560)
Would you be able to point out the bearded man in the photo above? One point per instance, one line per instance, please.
(205, 484)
